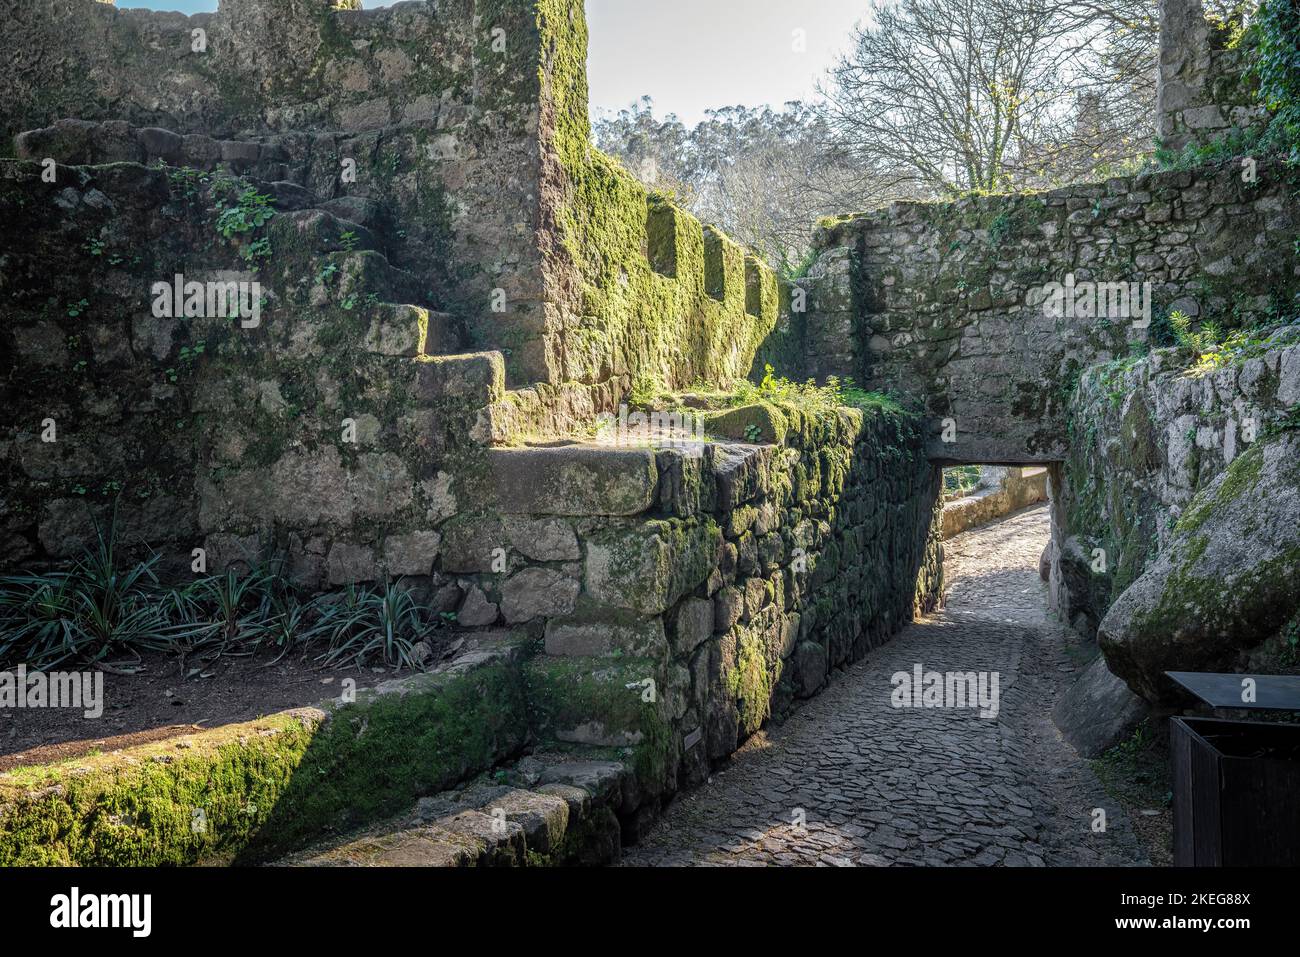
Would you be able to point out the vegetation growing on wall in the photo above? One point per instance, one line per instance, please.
(627, 318)
(1277, 65)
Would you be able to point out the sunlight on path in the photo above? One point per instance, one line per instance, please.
(852, 780)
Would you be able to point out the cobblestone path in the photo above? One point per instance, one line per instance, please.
(926, 786)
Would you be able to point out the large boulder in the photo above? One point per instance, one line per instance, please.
(1225, 584)
(1098, 711)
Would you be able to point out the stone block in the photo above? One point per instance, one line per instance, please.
(649, 568)
(478, 377)
(574, 480)
(537, 593)
(606, 634)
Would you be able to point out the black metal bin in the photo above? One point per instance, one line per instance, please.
(1236, 793)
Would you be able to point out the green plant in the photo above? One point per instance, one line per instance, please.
(808, 395)
(251, 211)
(1276, 65)
(961, 479)
(1283, 421)
(349, 240)
(77, 308)
(98, 608)
(222, 611)
(366, 626)
(1000, 228)
(187, 181)
(257, 250)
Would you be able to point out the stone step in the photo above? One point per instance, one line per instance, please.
(474, 378)
(324, 232)
(366, 272)
(574, 479)
(564, 813)
(400, 329)
(74, 142)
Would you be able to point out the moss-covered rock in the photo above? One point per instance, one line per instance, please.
(648, 568)
(248, 792)
(1225, 584)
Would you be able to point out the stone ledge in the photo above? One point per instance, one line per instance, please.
(564, 815)
(574, 480)
(246, 792)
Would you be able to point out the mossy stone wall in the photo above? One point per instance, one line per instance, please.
(672, 635)
(943, 302)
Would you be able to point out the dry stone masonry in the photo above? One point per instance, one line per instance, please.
(946, 302)
(433, 290)
(1203, 88)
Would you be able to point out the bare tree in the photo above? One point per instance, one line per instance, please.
(993, 94)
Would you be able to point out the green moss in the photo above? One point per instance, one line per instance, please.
(751, 683)
(639, 265)
(578, 700)
(1242, 476)
(248, 792)
(1255, 603)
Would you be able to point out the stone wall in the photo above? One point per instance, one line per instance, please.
(1202, 88)
(478, 246)
(358, 427)
(442, 125)
(638, 291)
(1014, 489)
(945, 302)
(329, 423)
(733, 577)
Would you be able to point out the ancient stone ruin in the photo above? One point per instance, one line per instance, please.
(350, 294)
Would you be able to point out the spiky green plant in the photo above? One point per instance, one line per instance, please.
(366, 627)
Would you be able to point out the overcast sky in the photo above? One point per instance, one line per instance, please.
(690, 55)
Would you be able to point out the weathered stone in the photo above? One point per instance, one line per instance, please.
(728, 606)
(350, 564)
(810, 668)
(476, 611)
(474, 543)
(649, 568)
(478, 377)
(574, 480)
(412, 553)
(694, 624)
(537, 593)
(1098, 711)
(606, 635)
(542, 540)
(759, 423)
(1223, 585)
(543, 817)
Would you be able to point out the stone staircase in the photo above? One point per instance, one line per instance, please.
(289, 168)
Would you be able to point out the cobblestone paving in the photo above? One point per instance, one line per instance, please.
(926, 786)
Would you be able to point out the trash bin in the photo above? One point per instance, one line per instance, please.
(1236, 793)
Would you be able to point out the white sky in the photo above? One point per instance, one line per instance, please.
(691, 55)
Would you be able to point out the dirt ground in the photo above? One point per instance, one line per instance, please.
(158, 701)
